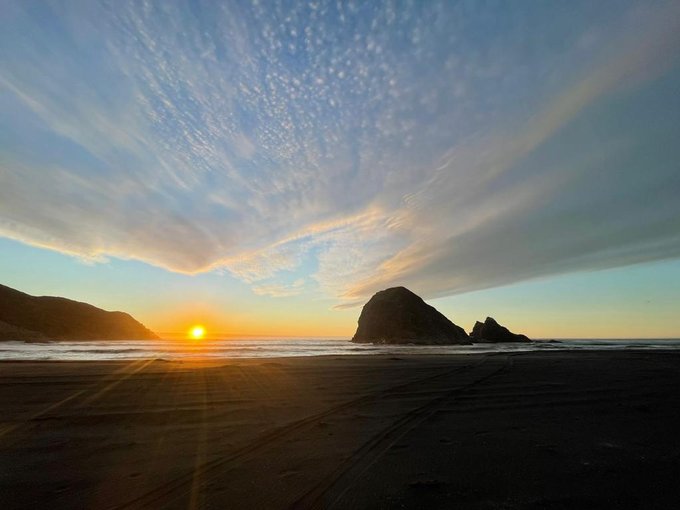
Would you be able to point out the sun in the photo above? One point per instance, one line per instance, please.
(197, 332)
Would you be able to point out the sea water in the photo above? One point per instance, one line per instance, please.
(285, 347)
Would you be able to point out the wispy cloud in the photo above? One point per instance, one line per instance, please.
(280, 289)
(435, 146)
(515, 205)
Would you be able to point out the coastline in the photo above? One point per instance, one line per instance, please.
(554, 429)
(224, 350)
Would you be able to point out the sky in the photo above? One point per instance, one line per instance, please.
(265, 167)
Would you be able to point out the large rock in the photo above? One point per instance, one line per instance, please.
(25, 317)
(398, 316)
(491, 331)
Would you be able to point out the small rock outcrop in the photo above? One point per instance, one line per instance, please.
(398, 316)
(32, 318)
(491, 331)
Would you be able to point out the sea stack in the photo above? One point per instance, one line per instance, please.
(490, 331)
(398, 316)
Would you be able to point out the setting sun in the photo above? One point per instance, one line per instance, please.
(197, 332)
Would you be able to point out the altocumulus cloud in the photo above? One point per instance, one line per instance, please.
(444, 146)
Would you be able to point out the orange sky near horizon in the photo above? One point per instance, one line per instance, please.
(582, 305)
(637, 301)
(176, 322)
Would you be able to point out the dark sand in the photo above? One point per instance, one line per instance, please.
(579, 430)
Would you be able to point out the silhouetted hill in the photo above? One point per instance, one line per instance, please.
(10, 332)
(398, 316)
(491, 331)
(25, 317)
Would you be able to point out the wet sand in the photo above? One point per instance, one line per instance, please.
(512, 431)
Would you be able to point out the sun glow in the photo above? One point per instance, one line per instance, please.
(197, 332)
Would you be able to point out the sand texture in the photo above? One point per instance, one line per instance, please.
(596, 430)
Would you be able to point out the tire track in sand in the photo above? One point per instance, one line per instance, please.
(330, 491)
(181, 486)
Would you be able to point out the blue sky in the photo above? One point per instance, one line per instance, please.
(292, 158)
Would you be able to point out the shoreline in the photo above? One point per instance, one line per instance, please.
(213, 360)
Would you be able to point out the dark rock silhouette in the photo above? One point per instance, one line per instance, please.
(10, 332)
(398, 316)
(30, 318)
(491, 331)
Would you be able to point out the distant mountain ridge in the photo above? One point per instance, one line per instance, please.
(36, 318)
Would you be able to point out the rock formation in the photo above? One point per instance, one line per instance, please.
(398, 316)
(25, 317)
(491, 331)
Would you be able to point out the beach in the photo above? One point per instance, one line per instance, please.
(519, 430)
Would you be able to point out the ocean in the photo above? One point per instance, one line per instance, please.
(284, 347)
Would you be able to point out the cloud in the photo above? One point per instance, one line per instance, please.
(280, 290)
(441, 148)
